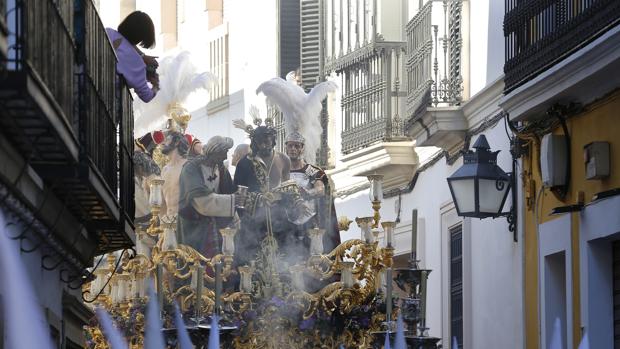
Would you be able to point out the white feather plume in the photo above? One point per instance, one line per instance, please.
(178, 78)
(240, 124)
(301, 111)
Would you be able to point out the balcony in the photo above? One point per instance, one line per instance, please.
(433, 75)
(539, 34)
(372, 99)
(63, 111)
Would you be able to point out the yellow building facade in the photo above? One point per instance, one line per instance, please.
(562, 95)
(598, 122)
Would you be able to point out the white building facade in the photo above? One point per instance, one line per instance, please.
(419, 82)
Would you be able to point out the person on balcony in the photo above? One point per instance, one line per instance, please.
(137, 69)
(207, 198)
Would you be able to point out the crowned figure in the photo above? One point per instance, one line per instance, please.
(179, 77)
(301, 114)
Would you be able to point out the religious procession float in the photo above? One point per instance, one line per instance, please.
(260, 251)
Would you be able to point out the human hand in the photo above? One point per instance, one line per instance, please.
(154, 80)
(150, 61)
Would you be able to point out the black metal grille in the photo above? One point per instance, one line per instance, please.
(126, 156)
(96, 118)
(49, 57)
(456, 284)
(539, 33)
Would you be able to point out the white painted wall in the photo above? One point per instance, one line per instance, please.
(492, 261)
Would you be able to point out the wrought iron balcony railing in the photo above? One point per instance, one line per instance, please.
(97, 117)
(43, 45)
(539, 34)
(433, 61)
(105, 118)
(371, 97)
(65, 109)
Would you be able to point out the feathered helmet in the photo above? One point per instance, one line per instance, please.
(261, 127)
(295, 137)
(178, 78)
(300, 110)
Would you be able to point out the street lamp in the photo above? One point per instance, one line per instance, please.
(479, 188)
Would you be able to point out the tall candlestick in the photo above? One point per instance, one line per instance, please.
(218, 287)
(388, 296)
(414, 235)
(423, 276)
(159, 273)
(199, 284)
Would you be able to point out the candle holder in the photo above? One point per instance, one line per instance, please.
(245, 278)
(155, 197)
(365, 225)
(347, 274)
(388, 230)
(168, 238)
(316, 241)
(228, 241)
(155, 201)
(142, 248)
(376, 195)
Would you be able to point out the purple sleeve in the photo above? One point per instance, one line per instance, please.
(131, 66)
